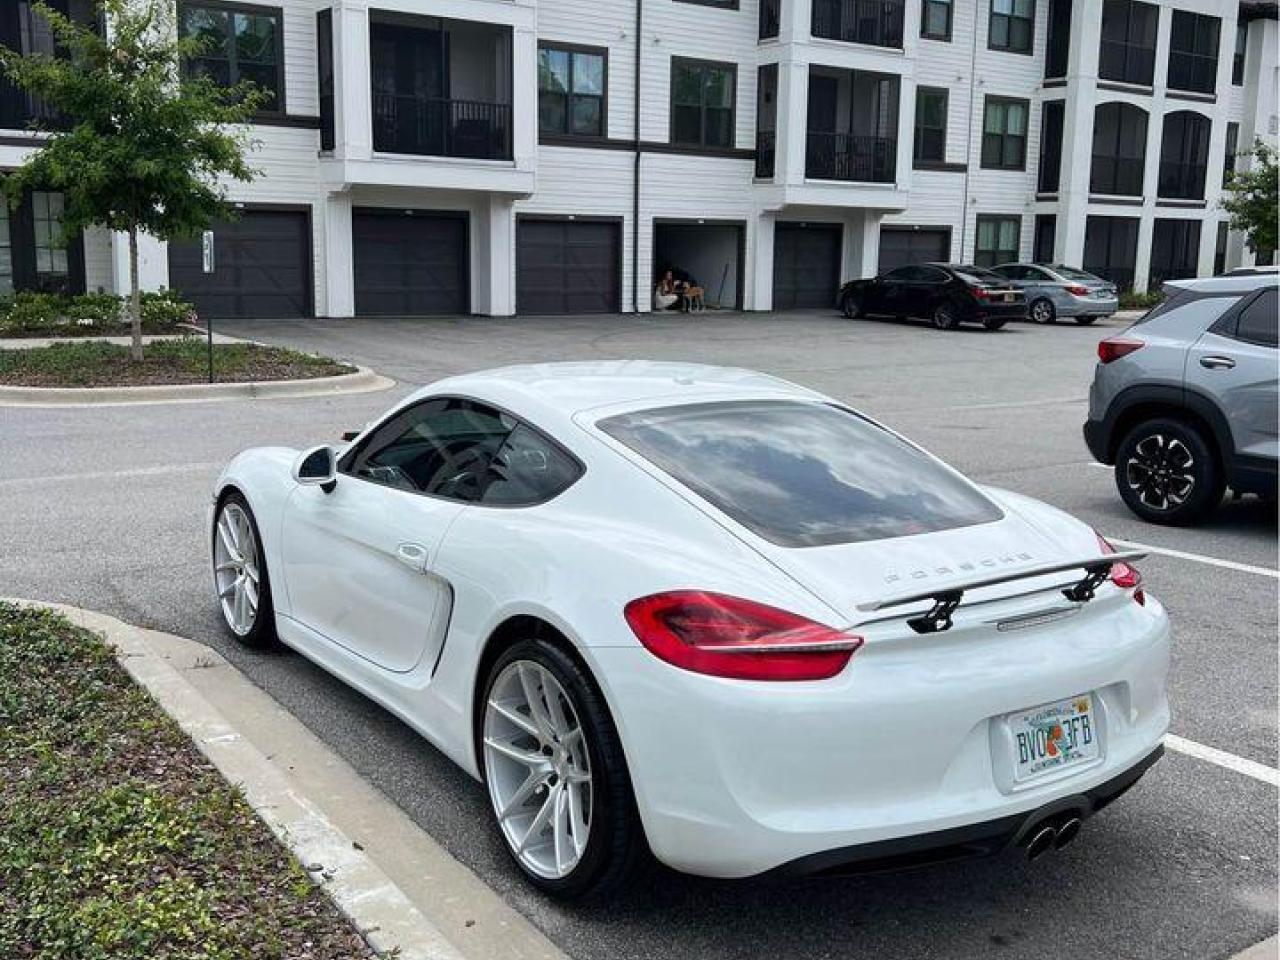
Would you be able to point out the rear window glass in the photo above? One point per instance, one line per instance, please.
(978, 275)
(1071, 273)
(802, 474)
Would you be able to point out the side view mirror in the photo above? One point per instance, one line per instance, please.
(317, 467)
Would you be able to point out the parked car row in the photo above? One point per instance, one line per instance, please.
(949, 294)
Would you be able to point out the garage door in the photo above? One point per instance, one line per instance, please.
(262, 267)
(900, 247)
(409, 263)
(806, 265)
(567, 266)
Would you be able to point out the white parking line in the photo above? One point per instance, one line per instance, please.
(1198, 558)
(158, 471)
(1250, 768)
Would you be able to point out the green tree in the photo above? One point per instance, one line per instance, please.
(1251, 200)
(145, 147)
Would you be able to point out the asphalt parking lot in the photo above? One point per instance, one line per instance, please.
(104, 507)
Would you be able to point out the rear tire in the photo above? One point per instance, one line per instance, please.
(945, 317)
(1167, 472)
(573, 716)
(994, 323)
(1085, 321)
(851, 306)
(1043, 311)
(241, 582)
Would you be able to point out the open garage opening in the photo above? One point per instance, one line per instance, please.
(707, 255)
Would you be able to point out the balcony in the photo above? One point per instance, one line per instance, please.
(437, 127)
(874, 22)
(846, 156)
(22, 29)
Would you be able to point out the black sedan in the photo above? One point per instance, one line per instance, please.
(946, 293)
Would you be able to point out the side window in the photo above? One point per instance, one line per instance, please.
(442, 448)
(1257, 322)
(528, 469)
(900, 275)
(931, 275)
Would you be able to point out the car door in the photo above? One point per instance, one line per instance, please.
(930, 288)
(359, 560)
(1235, 363)
(889, 293)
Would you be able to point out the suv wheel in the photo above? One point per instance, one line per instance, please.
(1166, 472)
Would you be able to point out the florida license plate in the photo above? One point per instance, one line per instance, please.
(1054, 737)
(1008, 298)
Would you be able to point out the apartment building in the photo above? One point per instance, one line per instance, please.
(504, 157)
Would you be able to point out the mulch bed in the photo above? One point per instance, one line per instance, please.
(117, 838)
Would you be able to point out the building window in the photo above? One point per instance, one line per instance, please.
(571, 91)
(1111, 249)
(1012, 25)
(931, 124)
(1193, 51)
(1220, 250)
(770, 17)
(1119, 150)
(1233, 144)
(997, 240)
(1058, 40)
(1050, 172)
(1184, 155)
(935, 20)
(1175, 250)
(325, 77)
(239, 44)
(1127, 50)
(702, 97)
(52, 268)
(1046, 228)
(1237, 61)
(6, 253)
(1004, 134)
(766, 118)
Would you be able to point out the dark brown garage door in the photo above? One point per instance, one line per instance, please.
(567, 266)
(262, 267)
(806, 265)
(409, 263)
(902, 246)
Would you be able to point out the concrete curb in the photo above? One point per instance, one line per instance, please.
(363, 380)
(402, 891)
(35, 343)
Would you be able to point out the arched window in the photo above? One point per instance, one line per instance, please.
(1119, 149)
(1184, 155)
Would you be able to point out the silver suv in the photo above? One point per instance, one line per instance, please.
(1184, 402)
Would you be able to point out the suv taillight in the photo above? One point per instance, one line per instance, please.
(724, 636)
(1113, 348)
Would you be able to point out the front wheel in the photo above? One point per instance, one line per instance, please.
(851, 306)
(1167, 473)
(558, 782)
(240, 576)
(1042, 311)
(944, 317)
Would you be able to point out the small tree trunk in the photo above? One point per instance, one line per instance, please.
(135, 295)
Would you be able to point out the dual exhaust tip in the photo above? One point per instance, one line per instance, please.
(1051, 835)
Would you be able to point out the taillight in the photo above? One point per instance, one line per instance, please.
(1122, 575)
(725, 636)
(1113, 348)
(1076, 290)
(981, 294)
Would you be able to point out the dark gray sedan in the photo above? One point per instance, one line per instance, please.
(1055, 291)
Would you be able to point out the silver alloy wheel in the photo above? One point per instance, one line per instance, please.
(1042, 311)
(1161, 472)
(538, 769)
(236, 568)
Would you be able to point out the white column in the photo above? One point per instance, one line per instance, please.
(524, 98)
(861, 245)
(494, 222)
(758, 292)
(339, 271)
(153, 263)
(1077, 131)
(906, 130)
(793, 116)
(353, 109)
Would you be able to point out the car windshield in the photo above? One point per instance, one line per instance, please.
(802, 474)
(978, 275)
(1071, 273)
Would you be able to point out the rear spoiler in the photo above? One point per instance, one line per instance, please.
(946, 599)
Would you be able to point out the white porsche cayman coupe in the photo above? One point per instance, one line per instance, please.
(705, 613)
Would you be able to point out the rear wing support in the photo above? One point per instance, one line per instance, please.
(947, 599)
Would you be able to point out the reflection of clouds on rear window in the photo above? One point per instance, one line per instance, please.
(802, 474)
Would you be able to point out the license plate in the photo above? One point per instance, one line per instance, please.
(1054, 737)
(1008, 298)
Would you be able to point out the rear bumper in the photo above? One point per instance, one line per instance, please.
(1071, 306)
(997, 311)
(734, 779)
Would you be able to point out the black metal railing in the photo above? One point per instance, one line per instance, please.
(1181, 181)
(1126, 62)
(875, 22)
(770, 18)
(438, 127)
(1116, 176)
(765, 140)
(844, 156)
(20, 110)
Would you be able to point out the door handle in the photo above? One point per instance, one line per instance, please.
(412, 555)
(1217, 363)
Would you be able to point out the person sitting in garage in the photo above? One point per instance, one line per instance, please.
(666, 295)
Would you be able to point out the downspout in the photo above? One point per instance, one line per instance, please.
(635, 180)
(968, 146)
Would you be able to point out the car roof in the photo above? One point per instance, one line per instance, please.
(1237, 284)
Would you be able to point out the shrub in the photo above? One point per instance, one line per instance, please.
(32, 314)
(1132, 300)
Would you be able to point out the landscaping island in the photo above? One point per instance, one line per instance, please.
(118, 839)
